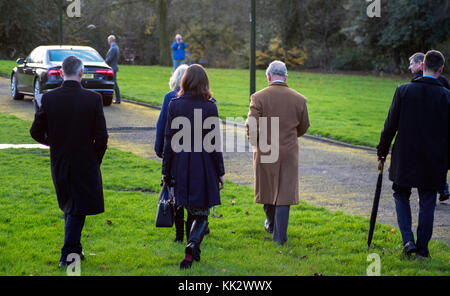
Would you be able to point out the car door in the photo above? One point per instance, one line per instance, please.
(29, 71)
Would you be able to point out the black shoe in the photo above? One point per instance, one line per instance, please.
(117, 102)
(443, 197)
(185, 264)
(422, 257)
(65, 263)
(267, 227)
(409, 248)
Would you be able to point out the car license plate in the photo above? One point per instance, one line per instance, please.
(88, 76)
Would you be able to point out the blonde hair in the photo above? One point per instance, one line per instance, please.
(175, 80)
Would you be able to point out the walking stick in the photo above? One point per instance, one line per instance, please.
(376, 200)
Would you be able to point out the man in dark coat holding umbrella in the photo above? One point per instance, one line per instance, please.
(419, 116)
(72, 123)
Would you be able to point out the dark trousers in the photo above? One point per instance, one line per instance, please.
(445, 191)
(277, 219)
(116, 87)
(427, 205)
(73, 225)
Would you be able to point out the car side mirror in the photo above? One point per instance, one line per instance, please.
(20, 61)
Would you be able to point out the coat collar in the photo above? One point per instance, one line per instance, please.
(71, 83)
(278, 84)
(427, 80)
(418, 75)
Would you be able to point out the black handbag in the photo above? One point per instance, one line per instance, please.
(165, 212)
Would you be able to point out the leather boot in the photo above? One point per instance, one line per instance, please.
(179, 224)
(192, 250)
(189, 221)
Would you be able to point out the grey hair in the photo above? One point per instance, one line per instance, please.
(418, 57)
(71, 66)
(277, 68)
(112, 38)
(175, 80)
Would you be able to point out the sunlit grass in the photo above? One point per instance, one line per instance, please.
(319, 241)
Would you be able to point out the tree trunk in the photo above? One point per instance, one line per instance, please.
(164, 46)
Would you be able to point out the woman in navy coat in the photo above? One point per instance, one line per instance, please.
(174, 84)
(192, 160)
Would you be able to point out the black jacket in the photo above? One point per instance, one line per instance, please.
(441, 79)
(72, 123)
(419, 116)
(196, 172)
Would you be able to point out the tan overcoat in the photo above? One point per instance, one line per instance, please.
(276, 183)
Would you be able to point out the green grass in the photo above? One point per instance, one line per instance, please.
(348, 108)
(31, 229)
(6, 67)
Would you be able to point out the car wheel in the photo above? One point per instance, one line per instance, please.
(107, 100)
(14, 91)
(37, 95)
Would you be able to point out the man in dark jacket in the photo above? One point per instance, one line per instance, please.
(72, 123)
(415, 62)
(420, 155)
(112, 59)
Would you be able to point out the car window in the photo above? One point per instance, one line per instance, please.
(35, 56)
(43, 56)
(85, 55)
(32, 57)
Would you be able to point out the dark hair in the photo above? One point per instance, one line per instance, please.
(434, 60)
(72, 66)
(417, 57)
(195, 82)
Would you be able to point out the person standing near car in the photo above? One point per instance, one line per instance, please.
(419, 120)
(112, 59)
(179, 53)
(72, 123)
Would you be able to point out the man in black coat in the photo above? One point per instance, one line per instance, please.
(72, 123)
(419, 116)
(415, 62)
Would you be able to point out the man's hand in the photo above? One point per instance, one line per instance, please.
(381, 160)
(221, 183)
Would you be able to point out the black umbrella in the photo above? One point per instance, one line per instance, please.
(376, 200)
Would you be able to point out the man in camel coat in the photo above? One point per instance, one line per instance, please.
(276, 180)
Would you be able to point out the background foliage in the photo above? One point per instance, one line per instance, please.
(323, 34)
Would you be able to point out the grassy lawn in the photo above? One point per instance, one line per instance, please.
(348, 108)
(31, 228)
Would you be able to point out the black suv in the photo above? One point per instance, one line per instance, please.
(41, 72)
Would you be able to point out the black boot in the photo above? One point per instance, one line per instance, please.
(189, 221)
(179, 224)
(192, 251)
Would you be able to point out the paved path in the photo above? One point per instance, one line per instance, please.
(335, 177)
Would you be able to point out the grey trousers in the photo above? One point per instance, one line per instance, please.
(277, 219)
